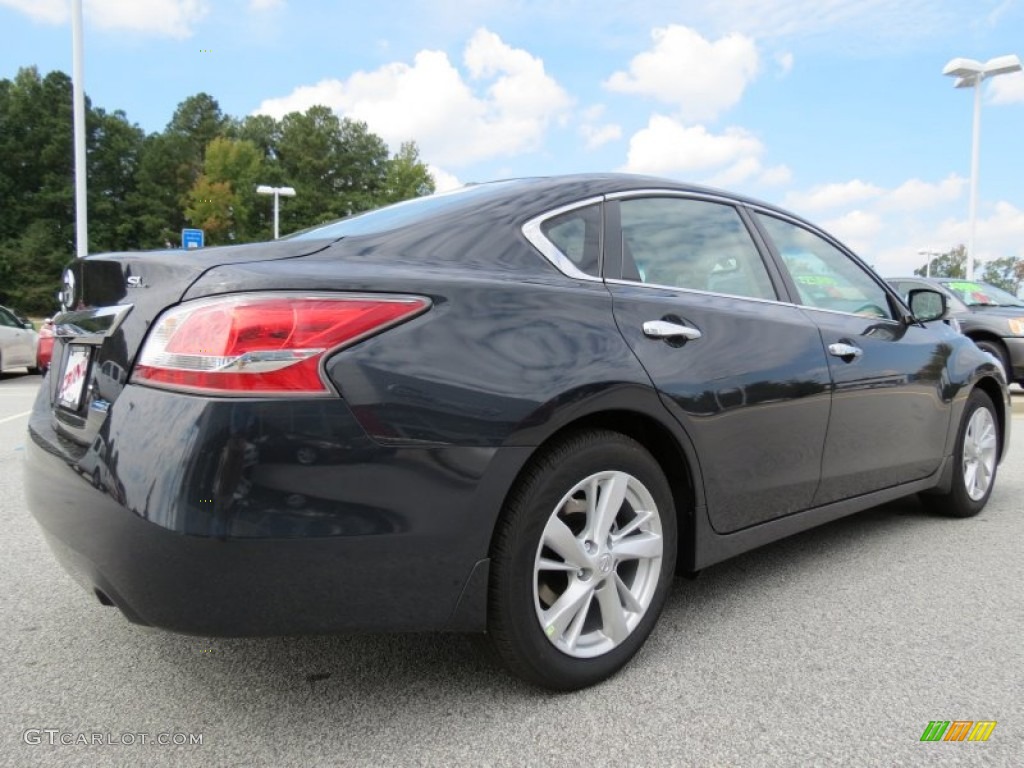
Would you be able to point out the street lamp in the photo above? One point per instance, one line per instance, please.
(928, 264)
(78, 111)
(278, 193)
(970, 74)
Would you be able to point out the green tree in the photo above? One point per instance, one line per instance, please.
(1006, 273)
(952, 263)
(223, 199)
(37, 204)
(201, 170)
(170, 164)
(407, 176)
(337, 167)
(114, 149)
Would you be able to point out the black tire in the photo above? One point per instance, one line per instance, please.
(961, 501)
(998, 351)
(518, 588)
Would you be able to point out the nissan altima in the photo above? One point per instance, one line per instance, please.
(516, 409)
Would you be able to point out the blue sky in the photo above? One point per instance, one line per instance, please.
(836, 109)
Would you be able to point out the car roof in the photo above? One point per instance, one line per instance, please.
(520, 199)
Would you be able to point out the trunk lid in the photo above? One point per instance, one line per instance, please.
(109, 302)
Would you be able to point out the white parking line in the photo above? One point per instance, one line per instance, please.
(15, 416)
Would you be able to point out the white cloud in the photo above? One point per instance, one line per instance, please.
(599, 135)
(855, 226)
(777, 175)
(596, 132)
(915, 194)
(835, 195)
(167, 18)
(1007, 89)
(443, 181)
(1001, 234)
(48, 11)
(785, 63)
(865, 22)
(265, 5)
(504, 108)
(697, 77)
(667, 147)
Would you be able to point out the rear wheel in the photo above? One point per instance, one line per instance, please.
(976, 457)
(582, 561)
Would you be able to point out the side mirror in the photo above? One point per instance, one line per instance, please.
(927, 305)
(28, 326)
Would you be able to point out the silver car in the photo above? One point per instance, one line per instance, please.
(18, 342)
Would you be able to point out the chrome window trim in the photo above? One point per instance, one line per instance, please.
(809, 308)
(105, 322)
(693, 195)
(532, 232)
(661, 287)
(676, 288)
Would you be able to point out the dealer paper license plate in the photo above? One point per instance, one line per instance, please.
(73, 381)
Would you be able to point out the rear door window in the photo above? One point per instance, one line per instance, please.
(692, 244)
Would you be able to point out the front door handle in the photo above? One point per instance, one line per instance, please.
(846, 351)
(663, 329)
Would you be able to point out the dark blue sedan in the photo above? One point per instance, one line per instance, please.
(515, 409)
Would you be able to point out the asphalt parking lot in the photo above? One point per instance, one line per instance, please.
(835, 647)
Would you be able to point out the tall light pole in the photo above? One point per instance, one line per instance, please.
(278, 193)
(928, 264)
(78, 98)
(970, 74)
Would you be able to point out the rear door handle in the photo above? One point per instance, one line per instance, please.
(845, 351)
(663, 329)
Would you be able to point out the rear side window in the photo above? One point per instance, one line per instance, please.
(694, 244)
(577, 236)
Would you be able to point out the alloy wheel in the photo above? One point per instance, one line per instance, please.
(598, 564)
(979, 455)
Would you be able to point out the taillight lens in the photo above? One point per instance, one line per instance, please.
(251, 344)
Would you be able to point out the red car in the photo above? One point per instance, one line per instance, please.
(45, 349)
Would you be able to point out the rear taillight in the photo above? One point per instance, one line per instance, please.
(267, 343)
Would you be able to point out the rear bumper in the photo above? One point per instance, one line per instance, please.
(220, 517)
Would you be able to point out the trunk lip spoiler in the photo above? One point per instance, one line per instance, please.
(90, 326)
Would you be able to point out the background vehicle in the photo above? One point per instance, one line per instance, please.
(44, 350)
(517, 409)
(991, 317)
(18, 341)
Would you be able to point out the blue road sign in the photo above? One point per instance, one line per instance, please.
(191, 238)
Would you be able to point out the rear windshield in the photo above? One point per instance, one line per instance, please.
(405, 213)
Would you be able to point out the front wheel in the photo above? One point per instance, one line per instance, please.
(976, 457)
(998, 351)
(582, 561)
